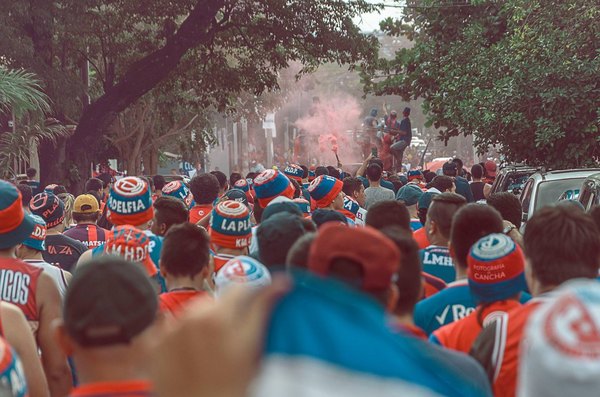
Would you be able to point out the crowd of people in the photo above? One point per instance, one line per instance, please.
(301, 281)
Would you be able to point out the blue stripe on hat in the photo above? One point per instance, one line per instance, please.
(321, 186)
(270, 183)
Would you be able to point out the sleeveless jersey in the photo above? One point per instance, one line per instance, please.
(174, 301)
(199, 211)
(57, 274)
(220, 260)
(18, 285)
(12, 377)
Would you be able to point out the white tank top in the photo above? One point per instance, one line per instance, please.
(57, 274)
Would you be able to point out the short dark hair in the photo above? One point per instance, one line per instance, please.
(562, 244)
(86, 217)
(320, 170)
(459, 164)
(396, 181)
(205, 188)
(388, 213)
(477, 171)
(376, 160)
(31, 172)
(159, 182)
(442, 183)
(185, 250)
(508, 205)
(221, 177)
(170, 211)
(595, 214)
(59, 189)
(334, 172)
(409, 271)
(351, 185)
(472, 222)
(298, 254)
(429, 176)
(93, 184)
(251, 175)
(234, 177)
(106, 179)
(305, 173)
(442, 209)
(297, 188)
(26, 194)
(374, 172)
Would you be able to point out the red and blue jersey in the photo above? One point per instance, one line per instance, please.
(18, 285)
(90, 235)
(12, 377)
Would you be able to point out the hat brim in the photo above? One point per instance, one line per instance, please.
(18, 235)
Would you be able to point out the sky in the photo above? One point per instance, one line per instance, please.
(370, 22)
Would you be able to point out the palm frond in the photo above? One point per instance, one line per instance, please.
(21, 92)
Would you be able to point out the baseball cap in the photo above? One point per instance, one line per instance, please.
(242, 270)
(15, 224)
(37, 238)
(277, 206)
(131, 244)
(495, 268)
(409, 194)
(270, 184)
(86, 204)
(230, 225)
(294, 171)
(415, 174)
(322, 216)
(377, 255)
(49, 207)
(490, 168)
(109, 301)
(180, 191)
(425, 200)
(560, 351)
(130, 202)
(324, 189)
(245, 185)
(276, 235)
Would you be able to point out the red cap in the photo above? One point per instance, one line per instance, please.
(490, 168)
(378, 255)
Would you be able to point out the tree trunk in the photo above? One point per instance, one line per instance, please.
(198, 28)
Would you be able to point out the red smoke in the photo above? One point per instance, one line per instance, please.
(333, 120)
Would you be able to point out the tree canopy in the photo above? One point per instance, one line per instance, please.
(208, 50)
(521, 75)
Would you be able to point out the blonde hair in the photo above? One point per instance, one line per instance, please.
(68, 199)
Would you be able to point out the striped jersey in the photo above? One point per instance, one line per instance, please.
(89, 234)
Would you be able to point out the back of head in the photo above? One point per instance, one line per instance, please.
(185, 251)
(49, 207)
(106, 179)
(159, 182)
(130, 202)
(388, 213)
(409, 272)
(477, 171)
(276, 236)
(595, 214)
(377, 161)
(429, 176)
(459, 164)
(334, 172)
(205, 188)
(508, 205)
(31, 173)
(449, 168)
(297, 256)
(26, 194)
(94, 184)
(374, 172)
(322, 216)
(442, 210)
(234, 177)
(222, 178)
(443, 183)
(321, 171)
(110, 301)
(561, 244)
(242, 270)
(351, 185)
(470, 223)
(170, 211)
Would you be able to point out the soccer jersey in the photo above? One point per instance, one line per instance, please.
(63, 251)
(137, 388)
(18, 285)
(461, 334)
(200, 211)
(220, 260)
(415, 224)
(497, 348)
(12, 377)
(57, 274)
(431, 285)
(436, 260)
(421, 238)
(445, 307)
(89, 234)
(174, 301)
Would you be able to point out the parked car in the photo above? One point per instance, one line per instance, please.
(547, 187)
(512, 178)
(590, 191)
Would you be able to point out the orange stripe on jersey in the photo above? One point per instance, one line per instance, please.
(92, 233)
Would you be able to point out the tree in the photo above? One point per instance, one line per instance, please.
(518, 74)
(218, 48)
(20, 92)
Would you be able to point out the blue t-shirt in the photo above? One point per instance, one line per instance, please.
(449, 305)
(436, 261)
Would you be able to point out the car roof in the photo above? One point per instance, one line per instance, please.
(565, 174)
